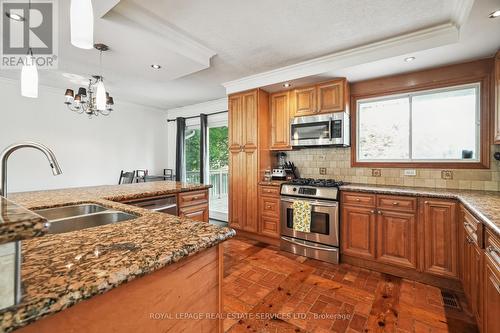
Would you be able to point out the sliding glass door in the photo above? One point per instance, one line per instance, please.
(218, 153)
(192, 154)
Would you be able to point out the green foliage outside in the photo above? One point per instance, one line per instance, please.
(218, 148)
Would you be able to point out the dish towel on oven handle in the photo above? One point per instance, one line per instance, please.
(301, 216)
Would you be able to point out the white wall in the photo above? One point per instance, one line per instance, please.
(193, 110)
(90, 151)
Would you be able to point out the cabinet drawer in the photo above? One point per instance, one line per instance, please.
(270, 226)
(391, 202)
(197, 213)
(268, 191)
(492, 246)
(269, 206)
(473, 228)
(358, 199)
(192, 198)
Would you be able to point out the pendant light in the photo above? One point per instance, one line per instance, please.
(82, 24)
(29, 72)
(100, 94)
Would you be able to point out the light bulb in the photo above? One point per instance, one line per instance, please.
(100, 96)
(82, 24)
(29, 78)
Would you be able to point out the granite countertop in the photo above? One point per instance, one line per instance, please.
(63, 269)
(18, 223)
(484, 205)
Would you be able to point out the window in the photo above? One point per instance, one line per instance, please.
(441, 125)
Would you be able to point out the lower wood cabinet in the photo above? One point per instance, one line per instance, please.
(194, 205)
(396, 238)
(440, 233)
(269, 211)
(491, 286)
(358, 231)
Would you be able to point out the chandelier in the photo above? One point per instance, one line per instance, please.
(93, 100)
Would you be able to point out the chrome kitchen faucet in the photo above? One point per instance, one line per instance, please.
(11, 290)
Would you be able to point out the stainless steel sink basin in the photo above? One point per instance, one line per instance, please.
(69, 211)
(88, 221)
(78, 217)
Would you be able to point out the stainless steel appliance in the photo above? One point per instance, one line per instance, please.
(322, 242)
(321, 130)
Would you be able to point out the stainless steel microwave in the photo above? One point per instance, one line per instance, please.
(322, 130)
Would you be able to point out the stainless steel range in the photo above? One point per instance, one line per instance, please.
(322, 242)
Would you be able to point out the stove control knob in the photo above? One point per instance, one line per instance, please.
(295, 189)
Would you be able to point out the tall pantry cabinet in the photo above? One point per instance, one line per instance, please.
(249, 155)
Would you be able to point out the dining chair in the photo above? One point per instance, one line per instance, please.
(169, 174)
(126, 177)
(140, 175)
(148, 179)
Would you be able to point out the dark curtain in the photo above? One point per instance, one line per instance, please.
(203, 148)
(179, 152)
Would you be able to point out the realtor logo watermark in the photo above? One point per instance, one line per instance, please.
(36, 29)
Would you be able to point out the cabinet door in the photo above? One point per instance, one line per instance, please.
(237, 169)
(440, 237)
(280, 121)
(358, 232)
(197, 213)
(249, 120)
(491, 323)
(396, 239)
(270, 226)
(305, 101)
(236, 121)
(476, 284)
(249, 186)
(331, 97)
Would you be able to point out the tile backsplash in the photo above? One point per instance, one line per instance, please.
(337, 162)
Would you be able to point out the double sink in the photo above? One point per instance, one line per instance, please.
(78, 217)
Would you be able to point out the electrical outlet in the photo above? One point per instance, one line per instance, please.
(410, 172)
(446, 174)
(376, 172)
(322, 171)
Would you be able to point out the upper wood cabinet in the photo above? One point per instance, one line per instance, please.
(440, 234)
(280, 121)
(497, 98)
(235, 122)
(305, 101)
(325, 97)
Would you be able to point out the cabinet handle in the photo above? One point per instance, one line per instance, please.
(379, 212)
(358, 199)
(268, 207)
(195, 198)
(426, 202)
(491, 249)
(373, 211)
(395, 203)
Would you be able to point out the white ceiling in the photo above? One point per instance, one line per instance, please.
(202, 44)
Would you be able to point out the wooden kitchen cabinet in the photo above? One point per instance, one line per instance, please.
(440, 233)
(305, 101)
(358, 231)
(326, 97)
(249, 156)
(269, 211)
(194, 205)
(197, 213)
(280, 121)
(491, 284)
(497, 99)
(397, 238)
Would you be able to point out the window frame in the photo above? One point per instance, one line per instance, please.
(410, 95)
(461, 74)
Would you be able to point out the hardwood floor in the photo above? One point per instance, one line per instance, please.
(267, 290)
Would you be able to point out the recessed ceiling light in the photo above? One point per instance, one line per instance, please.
(14, 16)
(287, 84)
(410, 59)
(156, 66)
(495, 14)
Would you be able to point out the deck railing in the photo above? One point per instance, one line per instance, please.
(217, 178)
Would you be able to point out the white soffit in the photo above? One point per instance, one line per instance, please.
(420, 40)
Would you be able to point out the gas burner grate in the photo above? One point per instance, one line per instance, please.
(317, 182)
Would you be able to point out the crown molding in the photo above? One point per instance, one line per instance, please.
(461, 12)
(396, 46)
(173, 39)
(215, 105)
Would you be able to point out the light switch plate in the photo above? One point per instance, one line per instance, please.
(376, 172)
(410, 172)
(322, 171)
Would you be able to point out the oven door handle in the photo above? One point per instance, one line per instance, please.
(314, 202)
(314, 247)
